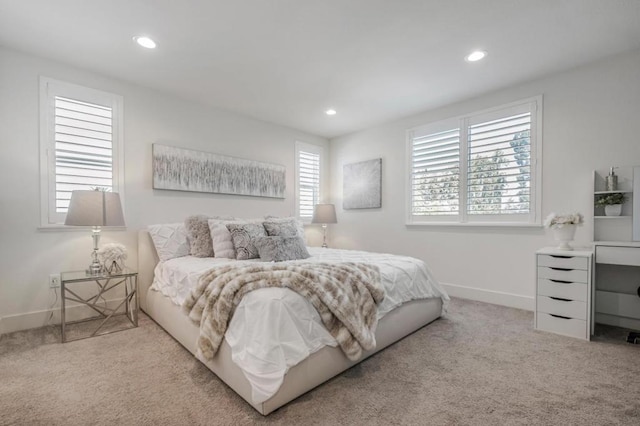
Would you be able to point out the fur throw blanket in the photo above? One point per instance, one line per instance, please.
(345, 295)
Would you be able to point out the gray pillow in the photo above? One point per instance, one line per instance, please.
(199, 236)
(243, 235)
(284, 227)
(278, 249)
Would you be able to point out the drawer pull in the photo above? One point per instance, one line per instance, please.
(559, 316)
(561, 257)
(560, 281)
(560, 299)
(561, 269)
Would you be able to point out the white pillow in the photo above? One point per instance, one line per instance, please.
(221, 239)
(170, 240)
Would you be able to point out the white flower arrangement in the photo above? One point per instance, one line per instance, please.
(113, 256)
(559, 220)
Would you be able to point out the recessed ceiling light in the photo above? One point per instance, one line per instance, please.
(476, 55)
(145, 42)
(330, 111)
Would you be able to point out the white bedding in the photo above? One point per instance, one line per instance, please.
(273, 329)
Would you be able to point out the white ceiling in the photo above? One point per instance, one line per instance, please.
(287, 61)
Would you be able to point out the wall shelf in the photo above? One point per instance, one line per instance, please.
(613, 228)
(611, 192)
(613, 217)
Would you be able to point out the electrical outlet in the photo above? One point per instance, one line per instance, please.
(54, 280)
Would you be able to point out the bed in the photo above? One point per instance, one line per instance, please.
(323, 362)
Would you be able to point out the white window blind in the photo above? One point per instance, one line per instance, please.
(435, 173)
(80, 144)
(83, 148)
(483, 167)
(499, 166)
(308, 167)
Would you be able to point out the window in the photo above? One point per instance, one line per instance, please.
(308, 174)
(80, 144)
(482, 168)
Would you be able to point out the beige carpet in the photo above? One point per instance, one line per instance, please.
(481, 364)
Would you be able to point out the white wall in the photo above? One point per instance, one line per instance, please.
(590, 121)
(29, 255)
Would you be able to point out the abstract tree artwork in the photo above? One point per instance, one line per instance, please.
(182, 169)
(362, 183)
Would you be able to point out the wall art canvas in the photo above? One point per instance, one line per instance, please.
(362, 185)
(182, 169)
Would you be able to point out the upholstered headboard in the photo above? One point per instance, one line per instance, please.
(147, 261)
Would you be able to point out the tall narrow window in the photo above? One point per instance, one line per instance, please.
(308, 178)
(480, 168)
(80, 144)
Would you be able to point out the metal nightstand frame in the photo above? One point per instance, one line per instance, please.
(105, 283)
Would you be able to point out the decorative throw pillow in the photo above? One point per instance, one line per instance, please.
(243, 235)
(278, 249)
(199, 236)
(170, 240)
(284, 227)
(221, 239)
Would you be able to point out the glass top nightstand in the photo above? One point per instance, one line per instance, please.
(112, 298)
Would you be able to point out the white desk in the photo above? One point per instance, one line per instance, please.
(617, 283)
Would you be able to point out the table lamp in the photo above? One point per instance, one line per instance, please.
(324, 213)
(95, 208)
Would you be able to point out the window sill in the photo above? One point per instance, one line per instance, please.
(473, 225)
(67, 228)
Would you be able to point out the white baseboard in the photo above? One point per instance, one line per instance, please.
(489, 296)
(36, 319)
(11, 323)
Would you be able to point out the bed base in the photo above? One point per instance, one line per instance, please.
(311, 372)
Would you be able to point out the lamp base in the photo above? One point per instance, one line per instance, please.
(95, 268)
(324, 236)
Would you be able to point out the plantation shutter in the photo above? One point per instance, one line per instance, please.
(308, 181)
(481, 168)
(81, 145)
(499, 164)
(83, 149)
(435, 165)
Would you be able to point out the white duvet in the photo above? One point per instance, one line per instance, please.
(274, 329)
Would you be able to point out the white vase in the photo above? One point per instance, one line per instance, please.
(613, 210)
(564, 235)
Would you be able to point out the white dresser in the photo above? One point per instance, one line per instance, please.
(564, 292)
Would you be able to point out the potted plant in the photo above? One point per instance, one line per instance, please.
(563, 227)
(612, 203)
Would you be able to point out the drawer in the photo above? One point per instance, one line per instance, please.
(569, 275)
(567, 262)
(566, 308)
(568, 327)
(618, 255)
(572, 291)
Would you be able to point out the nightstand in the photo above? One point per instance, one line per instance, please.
(564, 292)
(114, 297)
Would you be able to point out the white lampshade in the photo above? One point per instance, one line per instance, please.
(324, 213)
(95, 208)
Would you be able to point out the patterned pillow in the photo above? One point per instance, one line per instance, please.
(278, 249)
(170, 240)
(199, 236)
(243, 235)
